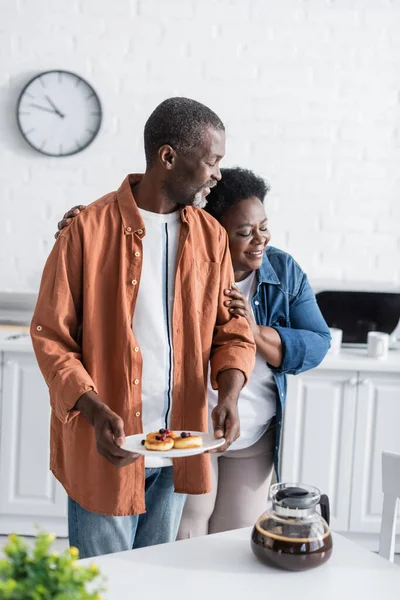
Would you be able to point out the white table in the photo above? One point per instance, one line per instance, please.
(223, 567)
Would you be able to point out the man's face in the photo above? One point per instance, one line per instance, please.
(194, 174)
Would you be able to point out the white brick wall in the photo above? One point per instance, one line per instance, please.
(309, 92)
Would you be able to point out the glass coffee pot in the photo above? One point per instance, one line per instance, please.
(292, 535)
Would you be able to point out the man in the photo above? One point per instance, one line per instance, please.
(130, 312)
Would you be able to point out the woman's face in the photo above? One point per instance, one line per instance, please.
(246, 225)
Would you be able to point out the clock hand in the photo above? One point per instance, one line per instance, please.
(50, 110)
(49, 100)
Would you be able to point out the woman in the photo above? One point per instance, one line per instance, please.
(273, 294)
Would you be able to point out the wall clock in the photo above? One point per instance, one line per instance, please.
(59, 113)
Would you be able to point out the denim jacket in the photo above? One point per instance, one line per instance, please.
(285, 301)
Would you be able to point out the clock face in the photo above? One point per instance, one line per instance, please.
(59, 113)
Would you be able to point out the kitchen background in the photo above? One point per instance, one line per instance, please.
(310, 94)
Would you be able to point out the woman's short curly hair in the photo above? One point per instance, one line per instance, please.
(236, 184)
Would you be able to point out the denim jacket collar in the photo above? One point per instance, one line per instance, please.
(266, 274)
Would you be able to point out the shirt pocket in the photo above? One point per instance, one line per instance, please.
(206, 280)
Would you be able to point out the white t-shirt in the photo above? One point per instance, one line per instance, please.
(152, 319)
(257, 400)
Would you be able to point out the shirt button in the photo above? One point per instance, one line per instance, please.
(137, 253)
(136, 348)
(39, 328)
(140, 231)
(134, 282)
(137, 414)
(136, 381)
(128, 229)
(256, 302)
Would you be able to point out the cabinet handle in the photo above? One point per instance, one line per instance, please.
(352, 381)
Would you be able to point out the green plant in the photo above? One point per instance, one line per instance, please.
(39, 574)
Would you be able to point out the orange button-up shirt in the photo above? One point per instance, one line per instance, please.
(83, 339)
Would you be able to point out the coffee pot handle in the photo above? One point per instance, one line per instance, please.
(325, 511)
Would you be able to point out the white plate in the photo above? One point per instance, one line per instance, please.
(133, 443)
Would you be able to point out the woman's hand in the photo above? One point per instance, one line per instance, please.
(238, 305)
(67, 218)
(268, 340)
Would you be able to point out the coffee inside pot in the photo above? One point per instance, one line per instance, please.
(292, 535)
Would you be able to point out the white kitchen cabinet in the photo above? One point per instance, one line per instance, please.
(318, 436)
(29, 493)
(337, 423)
(377, 429)
(339, 418)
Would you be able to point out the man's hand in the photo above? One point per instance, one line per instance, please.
(225, 416)
(108, 428)
(67, 218)
(225, 419)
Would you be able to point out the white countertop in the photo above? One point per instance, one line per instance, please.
(223, 566)
(21, 344)
(349, 359)
(356, 359)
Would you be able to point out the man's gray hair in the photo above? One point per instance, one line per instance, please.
(180, 123)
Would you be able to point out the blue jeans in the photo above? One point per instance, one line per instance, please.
(94, 534)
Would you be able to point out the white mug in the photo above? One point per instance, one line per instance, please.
(336, 341)
(378, 344)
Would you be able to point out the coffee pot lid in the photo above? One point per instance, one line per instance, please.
(297, 498)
